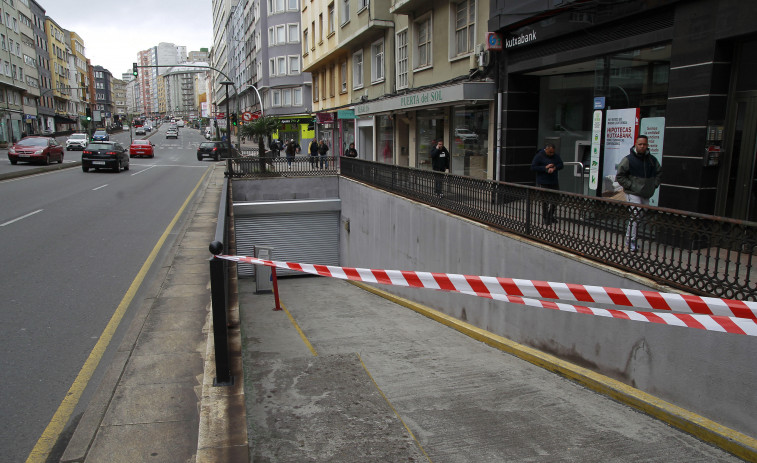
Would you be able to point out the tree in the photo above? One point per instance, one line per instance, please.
(261, 128)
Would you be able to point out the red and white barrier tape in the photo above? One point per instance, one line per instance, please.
(724, 315)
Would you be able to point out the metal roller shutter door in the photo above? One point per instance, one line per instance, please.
(303, 237)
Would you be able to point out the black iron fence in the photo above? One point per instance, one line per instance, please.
(703, 254)
(281, 166)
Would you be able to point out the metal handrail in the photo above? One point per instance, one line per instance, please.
(219, 290)
(699, 253)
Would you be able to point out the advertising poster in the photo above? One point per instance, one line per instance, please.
(204, 109)
(596, 133)
(621, 128)
(654, 128)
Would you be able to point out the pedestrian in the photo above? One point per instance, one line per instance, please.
(275, 148)
(313, 151)
(351, 152)
(439, 163)
(639, 173)
(546, 164)
(289, 151)
(323, 150)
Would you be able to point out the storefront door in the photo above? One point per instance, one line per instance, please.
(737, 196)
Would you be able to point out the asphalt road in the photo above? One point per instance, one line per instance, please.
(72, 243)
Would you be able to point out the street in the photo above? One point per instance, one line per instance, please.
(72, 245)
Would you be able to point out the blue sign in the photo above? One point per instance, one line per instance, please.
(599, 102)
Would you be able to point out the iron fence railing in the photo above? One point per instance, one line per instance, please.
(281, 166)
(703, 254)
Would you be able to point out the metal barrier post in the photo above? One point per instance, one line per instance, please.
(220, 323)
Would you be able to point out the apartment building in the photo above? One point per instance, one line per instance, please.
(181, 90)
(103, 102)
(45, 105)
(12, 75)
(397, 76)
(78, 77)
(29, 72)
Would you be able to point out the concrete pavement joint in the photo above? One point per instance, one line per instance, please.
(730, 440)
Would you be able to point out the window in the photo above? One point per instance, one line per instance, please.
(286, 95)
(332, 81)
(297, 96)
(362, 4)
(293, 32)
(345, 11)
(465, 17)
(357, 70)
(281, 63)
(423, 42)
(271, 67)
(331, 19)
(275, 97)
(315, 87)
(305, 42)
(281, 35)
(320, 28)
(402, 59)
(312, 28)
(377, 61)
(343, 77)
(294, 64)
(293, 5)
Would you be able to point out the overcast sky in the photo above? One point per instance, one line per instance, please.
(114, 31)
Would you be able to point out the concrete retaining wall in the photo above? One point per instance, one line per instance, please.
(709, 373)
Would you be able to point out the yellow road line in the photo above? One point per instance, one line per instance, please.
(297, 327)
(50, 435)
(392, 407)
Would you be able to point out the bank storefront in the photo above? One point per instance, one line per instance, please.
(401, 130)
(590, 79)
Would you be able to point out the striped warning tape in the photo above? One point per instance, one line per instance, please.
(707, 313)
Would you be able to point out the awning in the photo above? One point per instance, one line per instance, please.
(65, 119)
(465, 92)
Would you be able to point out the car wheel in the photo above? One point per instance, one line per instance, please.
(117, 167)
(85, 169)
(68, 149)
(216, 158)
(126, 167)
(152, 156)
(199, 157)
(47, 160)
(14, 161)
(60, 161)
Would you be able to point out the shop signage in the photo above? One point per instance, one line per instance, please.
(522, 39)
(599, 102)
(346, 114)
(621, 128)
(493, 41)
(464, 92)
(654, 129)
(596, 137)
(324, 117)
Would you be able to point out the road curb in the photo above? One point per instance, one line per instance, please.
(709, 431)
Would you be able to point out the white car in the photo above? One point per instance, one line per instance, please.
(77, 141)
(466, 135)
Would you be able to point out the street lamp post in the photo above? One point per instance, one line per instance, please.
(228, 124)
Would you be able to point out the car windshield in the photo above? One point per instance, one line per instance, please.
(207, 145)
(140, 142)
(100, 132)
(79, 135)
(34, 142)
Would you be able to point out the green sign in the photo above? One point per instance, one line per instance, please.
(346, 114)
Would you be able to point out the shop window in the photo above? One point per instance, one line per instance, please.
(469, 140)
(385, 142)
(429, 128)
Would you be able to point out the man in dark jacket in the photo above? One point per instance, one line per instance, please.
(639, 174)
(323, 150)
(546, 164)
(440, 163)
(313, 151)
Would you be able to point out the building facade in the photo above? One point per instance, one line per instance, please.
(591, 76)
(45, 103)
(102, 115)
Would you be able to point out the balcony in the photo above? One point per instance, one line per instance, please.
(410, 7)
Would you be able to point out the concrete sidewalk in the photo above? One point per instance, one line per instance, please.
(344, 375)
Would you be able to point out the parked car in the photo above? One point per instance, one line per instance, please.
(36, 149)
(214, 149)
(466, 135)
(140, 130)
(104, 155)
(172, 133)
(77, 141)
(101, 135)
(142, 148)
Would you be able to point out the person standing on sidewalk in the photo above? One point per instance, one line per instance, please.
(546, 164)
(351, 152)
(439, 163)
(313, 151)
(639, 173)
(323, 150)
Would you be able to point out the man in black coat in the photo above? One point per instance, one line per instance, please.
(546, 164)
(439, 163)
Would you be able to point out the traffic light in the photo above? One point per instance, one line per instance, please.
(134, 71)
(89, 113)
(233, 118)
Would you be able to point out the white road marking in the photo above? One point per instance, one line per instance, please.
(101, 186)
(20, 218)
(143, 170)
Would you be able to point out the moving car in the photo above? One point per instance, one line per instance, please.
(140, 130)
(213, 149)
(101, 135)
(142, 148)
(36, 149)
(104, 155)
(77, 141)
(172, 133)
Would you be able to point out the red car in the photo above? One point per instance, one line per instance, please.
(36, 149)
(141, 148)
